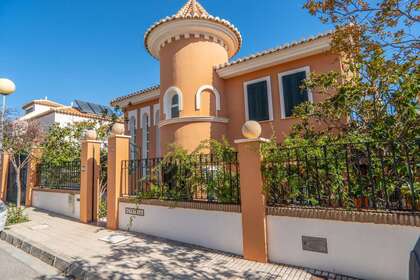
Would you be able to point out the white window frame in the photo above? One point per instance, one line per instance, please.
(199, 94)
(145, 110)
(167, 101)
(306, 69)
(156, 112)
(269, 96)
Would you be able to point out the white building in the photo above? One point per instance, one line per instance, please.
(48, 112)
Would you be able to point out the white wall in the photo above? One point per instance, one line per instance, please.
(61, 203)
(367, 251)
(210, 229)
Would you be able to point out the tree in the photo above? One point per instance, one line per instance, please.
(20, 139)
(377, 95)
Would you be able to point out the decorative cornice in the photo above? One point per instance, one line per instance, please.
(311, 46)
(209, 28)
(188, 119)
(360, 216)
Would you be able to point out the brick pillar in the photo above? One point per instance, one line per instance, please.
(254, 222)
(89, 180)
(32, 175)
(4, 172)
(118, 151)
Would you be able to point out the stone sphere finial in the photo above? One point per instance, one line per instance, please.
(90, 134)
(118, 129)
(251, 130)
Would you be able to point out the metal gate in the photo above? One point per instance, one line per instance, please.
(12, 184)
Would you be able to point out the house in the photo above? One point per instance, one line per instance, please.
(204, 94)
(48, 112)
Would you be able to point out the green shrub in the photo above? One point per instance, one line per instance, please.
(15, 215)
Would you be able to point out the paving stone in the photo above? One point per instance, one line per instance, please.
(3, 235)
(36, 252)
(61, 264)
(141, 257)
(26, 247)
(47, 258)
(17, 242)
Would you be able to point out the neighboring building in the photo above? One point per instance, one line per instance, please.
(48, 112)
(203, 95)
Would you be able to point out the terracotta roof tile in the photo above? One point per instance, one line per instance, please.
(273, 50)
(193, 10)
(136, 93)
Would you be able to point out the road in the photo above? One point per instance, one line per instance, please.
(17, 265)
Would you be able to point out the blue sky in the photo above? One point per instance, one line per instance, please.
(93, 49)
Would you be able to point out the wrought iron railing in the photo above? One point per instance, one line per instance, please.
(63, 176)
(194, 178)
(380, 176)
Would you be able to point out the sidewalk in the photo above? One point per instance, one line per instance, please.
(76, 248)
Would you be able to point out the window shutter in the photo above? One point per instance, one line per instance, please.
(292, 93)
(258, 101)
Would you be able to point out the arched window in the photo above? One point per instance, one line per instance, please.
(175, 106)
(200, 92)
(172, 103)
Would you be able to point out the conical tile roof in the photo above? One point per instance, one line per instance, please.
(193, 10)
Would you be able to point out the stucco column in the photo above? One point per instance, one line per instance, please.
(254, 223)
(118, 151)
(89, 180)
(4, 169)
(32, 175)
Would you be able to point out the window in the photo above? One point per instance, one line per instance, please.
(291, 93)
(175, 106)
(133, 146)
(258, 105)
(145, 136)
(157, 119)
(172, 103)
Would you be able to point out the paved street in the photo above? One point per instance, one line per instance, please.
(17, 265)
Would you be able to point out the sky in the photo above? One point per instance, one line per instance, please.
(93, 50)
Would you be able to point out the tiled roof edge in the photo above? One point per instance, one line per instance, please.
(273, 50)
(136, 93)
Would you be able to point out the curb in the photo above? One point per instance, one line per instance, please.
(71, 268)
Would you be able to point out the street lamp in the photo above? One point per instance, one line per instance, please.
(7, 87)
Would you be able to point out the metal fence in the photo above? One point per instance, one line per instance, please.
(368, 175)
(194, 178)
(63, 176)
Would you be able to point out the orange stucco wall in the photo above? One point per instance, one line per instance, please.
(234, 91)
(188, 64)
(183, 65)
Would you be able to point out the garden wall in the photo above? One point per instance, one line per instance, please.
(210, 228)
(62, 202)
(364, 250)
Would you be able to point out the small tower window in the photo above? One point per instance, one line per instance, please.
(175, 106)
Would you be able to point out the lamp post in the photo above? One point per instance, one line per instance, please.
(7, 87)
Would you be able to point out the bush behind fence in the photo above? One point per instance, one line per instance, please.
(383, 176)
(62, 176)
(204, 178)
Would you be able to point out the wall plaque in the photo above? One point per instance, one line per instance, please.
(314, 244)
(134, 211)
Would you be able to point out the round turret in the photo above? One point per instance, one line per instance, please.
(189, 45)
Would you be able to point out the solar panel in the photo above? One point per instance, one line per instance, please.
(92, 108)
